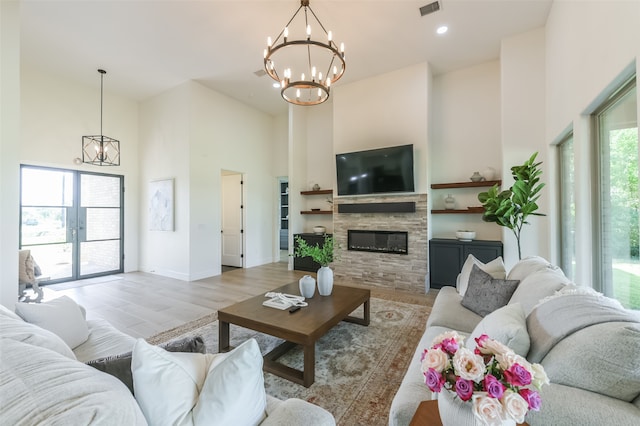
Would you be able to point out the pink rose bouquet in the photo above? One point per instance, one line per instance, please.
(499, 383)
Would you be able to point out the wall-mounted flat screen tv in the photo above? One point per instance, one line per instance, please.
(375, 171)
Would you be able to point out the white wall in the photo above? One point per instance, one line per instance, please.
(9, 149)
(522, 60)
(386, 110)
(227, 134)
(197, 133)
(465, 137)
(590, 47)
(164, 140)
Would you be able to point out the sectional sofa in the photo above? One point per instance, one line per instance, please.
(45, 378)
(588, 344)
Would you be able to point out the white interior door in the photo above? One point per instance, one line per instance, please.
(232, 247)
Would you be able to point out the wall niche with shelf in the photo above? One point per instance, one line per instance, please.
(317, 210)
(463, 185)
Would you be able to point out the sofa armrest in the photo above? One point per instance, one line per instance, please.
(295, 412)
(448, 312)
(104, 340)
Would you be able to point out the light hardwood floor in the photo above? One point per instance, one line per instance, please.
(143, 304)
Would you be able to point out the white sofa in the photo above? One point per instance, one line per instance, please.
(588, 345)
(44, 381)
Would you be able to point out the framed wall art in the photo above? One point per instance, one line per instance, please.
(161, 205)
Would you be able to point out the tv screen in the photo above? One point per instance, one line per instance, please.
(375, 171)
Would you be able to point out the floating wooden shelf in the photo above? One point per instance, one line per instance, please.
(317, 212)
(457, 211)
(318, 192)
(466, 184)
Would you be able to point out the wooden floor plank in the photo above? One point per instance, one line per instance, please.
(143, 304)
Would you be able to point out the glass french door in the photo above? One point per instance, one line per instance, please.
(72, 222)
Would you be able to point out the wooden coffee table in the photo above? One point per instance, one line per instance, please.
(303, 327)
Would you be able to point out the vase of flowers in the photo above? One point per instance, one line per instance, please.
(497, 386)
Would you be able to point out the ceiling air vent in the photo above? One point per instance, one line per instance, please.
(430, 8)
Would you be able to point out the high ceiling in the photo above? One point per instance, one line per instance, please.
(150, 46)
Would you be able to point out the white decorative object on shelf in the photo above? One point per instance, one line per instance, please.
(465, 235)
(476, 177)
(319, 230)
(449, 202)
(325, 281)
(489, 173)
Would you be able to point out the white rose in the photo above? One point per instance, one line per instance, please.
(436, 359)
(539, 376)
(468, 365)
(506, 360)
(488, 410)
(514, 406)
(448, 335)
(494, 347)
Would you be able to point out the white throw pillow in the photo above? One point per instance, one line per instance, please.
(61, 316)
(507, 325)
(21, 331)
(495, 268)
(199, 389)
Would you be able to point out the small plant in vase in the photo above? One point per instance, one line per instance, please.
(321, 255)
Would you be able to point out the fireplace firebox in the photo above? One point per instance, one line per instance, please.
(378, 241)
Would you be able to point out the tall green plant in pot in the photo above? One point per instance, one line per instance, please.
(510, 208)
(322, 255)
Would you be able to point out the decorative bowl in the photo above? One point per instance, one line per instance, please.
(319, 230)
(465, 235)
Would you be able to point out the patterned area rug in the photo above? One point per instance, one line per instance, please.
(358, 368)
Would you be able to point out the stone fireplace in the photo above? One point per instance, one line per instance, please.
(381, 221)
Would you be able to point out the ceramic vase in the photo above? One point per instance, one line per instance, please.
(307, 286)
(325, 281)
(449, 202)
(456, 412)
(476, 177)
(489, 173)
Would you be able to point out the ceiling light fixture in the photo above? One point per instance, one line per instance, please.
(318, 63)
(443, 29)
(100, 150)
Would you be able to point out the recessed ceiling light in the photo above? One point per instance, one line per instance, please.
(442, 29)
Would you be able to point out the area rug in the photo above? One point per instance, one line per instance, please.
(358, 368)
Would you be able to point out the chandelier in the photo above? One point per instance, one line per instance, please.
(100, 150)
(307, 65)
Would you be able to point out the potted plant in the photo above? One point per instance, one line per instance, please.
(510, 208)
(322, 255)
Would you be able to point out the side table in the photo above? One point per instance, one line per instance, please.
(427, 414)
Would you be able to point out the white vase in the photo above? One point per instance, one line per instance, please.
(325, 281)
(456, 412)
(307, 286)
(449, 202)
(489, 173)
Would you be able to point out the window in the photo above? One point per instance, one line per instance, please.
(618, 197)
(567, 207)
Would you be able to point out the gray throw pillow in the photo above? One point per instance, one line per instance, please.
(485, 294)
(120, 365)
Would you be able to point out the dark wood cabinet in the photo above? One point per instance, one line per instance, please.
(446, 257)
(306, 263)
(284, 215)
